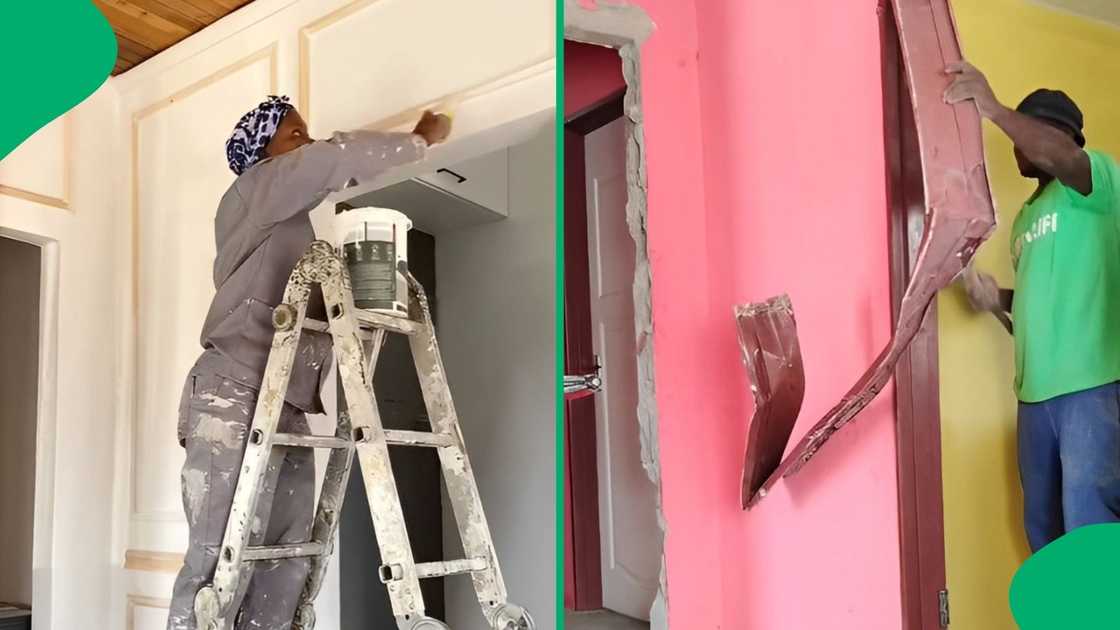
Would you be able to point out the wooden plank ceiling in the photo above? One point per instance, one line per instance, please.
(146, 27)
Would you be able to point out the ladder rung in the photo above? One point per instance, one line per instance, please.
(417, 438)
(310, 441)
(316, 325)
(371, 319)
(279, 552)
(321, 326)
(450, 567)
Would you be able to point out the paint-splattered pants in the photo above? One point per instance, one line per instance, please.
(214, 418)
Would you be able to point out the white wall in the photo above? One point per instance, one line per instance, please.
(19, 376)
(496, 286)
(345, 64)
(60, 190)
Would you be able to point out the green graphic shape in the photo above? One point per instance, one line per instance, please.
(1071, 584)
(54, 55)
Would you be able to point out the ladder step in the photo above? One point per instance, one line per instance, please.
(317, 325)
(371, 319)
(417, 438)
(310, 441)
(280, 552)
(321, 326)
(450, 567)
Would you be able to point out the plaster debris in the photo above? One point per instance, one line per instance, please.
(960, 213)
(771, 352)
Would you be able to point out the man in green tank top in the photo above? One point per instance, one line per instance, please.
(1065, 308)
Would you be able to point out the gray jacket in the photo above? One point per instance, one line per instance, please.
(261, 229)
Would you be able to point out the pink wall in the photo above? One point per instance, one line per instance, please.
(795, 186)
(596, 74)
(766, 175)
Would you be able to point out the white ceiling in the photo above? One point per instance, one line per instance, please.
(1102, 10)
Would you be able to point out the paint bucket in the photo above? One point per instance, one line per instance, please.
(374, 244)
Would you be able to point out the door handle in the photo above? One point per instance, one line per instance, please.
(582, 386)
(453, 174)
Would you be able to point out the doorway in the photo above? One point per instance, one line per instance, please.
(20, 281)
(614, 546)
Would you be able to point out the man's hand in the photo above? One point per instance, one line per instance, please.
(433, 128)
(971, 84)
(982, 290)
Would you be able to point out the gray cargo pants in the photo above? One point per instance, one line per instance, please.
(214, 418)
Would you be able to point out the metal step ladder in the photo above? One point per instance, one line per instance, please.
(357, 336)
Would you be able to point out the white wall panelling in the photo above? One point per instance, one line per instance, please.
(146, 613)
(177, 178)
(391, 57)
(38, 170)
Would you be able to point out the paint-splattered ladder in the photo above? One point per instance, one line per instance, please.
(357, 336)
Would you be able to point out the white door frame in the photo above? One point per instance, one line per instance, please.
(42, 559)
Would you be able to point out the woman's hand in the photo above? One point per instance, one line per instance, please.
(433, 128)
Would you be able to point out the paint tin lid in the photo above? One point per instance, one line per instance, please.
(382, 224)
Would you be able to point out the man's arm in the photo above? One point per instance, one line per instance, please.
(1047, 147)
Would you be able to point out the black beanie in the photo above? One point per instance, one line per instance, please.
(1057, 107)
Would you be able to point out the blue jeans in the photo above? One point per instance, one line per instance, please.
(1069, 462)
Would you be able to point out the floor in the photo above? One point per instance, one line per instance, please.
(602, 620)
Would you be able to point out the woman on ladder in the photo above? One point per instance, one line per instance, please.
(262, 228)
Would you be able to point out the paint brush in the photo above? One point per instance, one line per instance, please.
(450, 106)
(969, 275)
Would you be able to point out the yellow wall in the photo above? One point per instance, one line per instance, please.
(1020, 47)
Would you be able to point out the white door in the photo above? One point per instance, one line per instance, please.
(629, 536)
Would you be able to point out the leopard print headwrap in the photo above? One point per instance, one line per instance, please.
(254, 131)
